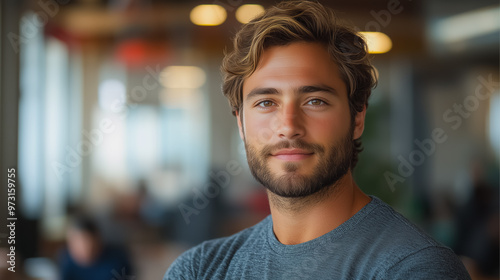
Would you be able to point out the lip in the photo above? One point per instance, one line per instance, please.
(292, 154)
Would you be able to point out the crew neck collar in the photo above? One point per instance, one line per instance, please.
(323, 240)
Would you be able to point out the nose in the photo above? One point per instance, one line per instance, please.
(289, 122)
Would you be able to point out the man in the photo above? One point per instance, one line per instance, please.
(298, 83)
(87, 257)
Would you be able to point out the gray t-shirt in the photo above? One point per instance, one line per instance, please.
(376, 243)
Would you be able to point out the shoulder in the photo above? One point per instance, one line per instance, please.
(393, 228)
(406, 251)
(211, 254)
(433, 262)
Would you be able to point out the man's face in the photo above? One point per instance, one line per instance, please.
(296, 123)
(83, 246)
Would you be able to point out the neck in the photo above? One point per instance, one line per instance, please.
(298, 220)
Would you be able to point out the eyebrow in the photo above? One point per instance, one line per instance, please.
(302, 89)
(260, 91)
(316, 88)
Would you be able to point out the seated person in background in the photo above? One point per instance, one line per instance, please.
(87, 257)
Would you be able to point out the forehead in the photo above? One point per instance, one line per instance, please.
(296, 64)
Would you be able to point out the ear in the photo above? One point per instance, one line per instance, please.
(359, 123)
(240, 125)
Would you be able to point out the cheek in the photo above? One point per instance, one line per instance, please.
(328, 129)
(258, 128)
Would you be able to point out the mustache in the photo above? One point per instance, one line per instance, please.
(292, 144)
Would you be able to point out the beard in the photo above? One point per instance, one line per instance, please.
(334, 162)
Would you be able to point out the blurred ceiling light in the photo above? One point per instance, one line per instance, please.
(467, 25)
(111, 91)
(247, 12)
(188, 77)
(208, 15)
(377, 42)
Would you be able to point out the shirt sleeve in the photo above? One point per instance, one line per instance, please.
(429, 263)
(183, 267)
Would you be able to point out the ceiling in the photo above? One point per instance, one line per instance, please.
(107, 21)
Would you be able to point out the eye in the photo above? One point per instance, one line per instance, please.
(265, 103)
(316, 102)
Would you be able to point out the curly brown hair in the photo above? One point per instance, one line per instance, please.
(295, 21)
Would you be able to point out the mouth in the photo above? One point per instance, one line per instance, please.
(292, 154)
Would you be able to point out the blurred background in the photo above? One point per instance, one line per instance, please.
(112, 110)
